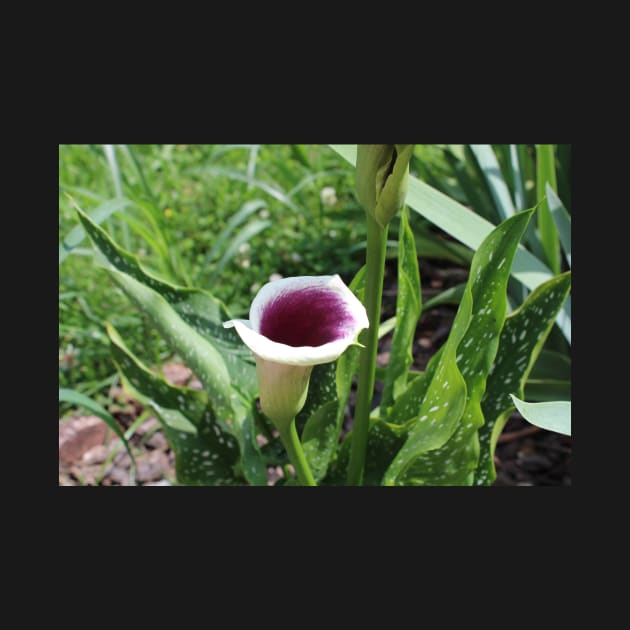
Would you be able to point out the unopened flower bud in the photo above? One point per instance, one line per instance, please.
(382, 178)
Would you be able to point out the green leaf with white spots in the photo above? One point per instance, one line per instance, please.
(408, 309)
(319, 438)
(436, 414)
(318, 417)
(202, 358)
(206, 452)
(442, 447)
(252, 462)
(198, 309)
(384, 441)
(552, 416)
(522, 339)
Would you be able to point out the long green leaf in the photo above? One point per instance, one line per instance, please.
(201, 356)
(522, 339)
(546, 174)
(552, 416)
(452, 459)
(81, 400)
(98, 215)
(408, 310)
(467, 227)
(205, 452)
(197, 309)
(492, 172)
(562, 219)
(475, 196)
(519, 184)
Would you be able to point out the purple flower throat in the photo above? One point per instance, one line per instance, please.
(306, 317)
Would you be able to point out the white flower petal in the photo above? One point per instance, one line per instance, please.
(282, 353)
(280, 303)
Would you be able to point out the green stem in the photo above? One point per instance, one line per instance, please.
(375, 263)
(296, 455)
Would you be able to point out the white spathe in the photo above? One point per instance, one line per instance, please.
(249, 330)
(284, 370)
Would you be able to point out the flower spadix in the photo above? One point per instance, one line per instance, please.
(294, 324)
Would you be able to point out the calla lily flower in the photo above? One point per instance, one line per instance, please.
(294, 324)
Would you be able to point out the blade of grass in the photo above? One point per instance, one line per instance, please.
(112, 162)
(546, 174)
(99, 215)
(235, 220)
(135, 165)
(128, 434)
(492, 172)
(519, 186)
(277, 194)
(562, 219)
(248, 232)
(251, 165)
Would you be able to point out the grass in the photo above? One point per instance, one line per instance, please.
(180, 222)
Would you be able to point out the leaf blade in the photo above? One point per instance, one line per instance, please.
(552, 416)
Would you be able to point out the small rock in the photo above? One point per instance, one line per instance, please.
(96, 455)
(86, 474)
(273, 474)
(161, 482)
(152, 467)
(119, 475)
(149, 424)
(157, 440)
(261, 440)
(79, 435)
(176, 373)
(122, 460)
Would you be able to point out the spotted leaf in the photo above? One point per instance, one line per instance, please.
(522, 339)
(442, 447)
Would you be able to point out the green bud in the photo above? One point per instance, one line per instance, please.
(382, 178)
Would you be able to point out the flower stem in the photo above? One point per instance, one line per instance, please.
(296, 455)
(375, 263)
